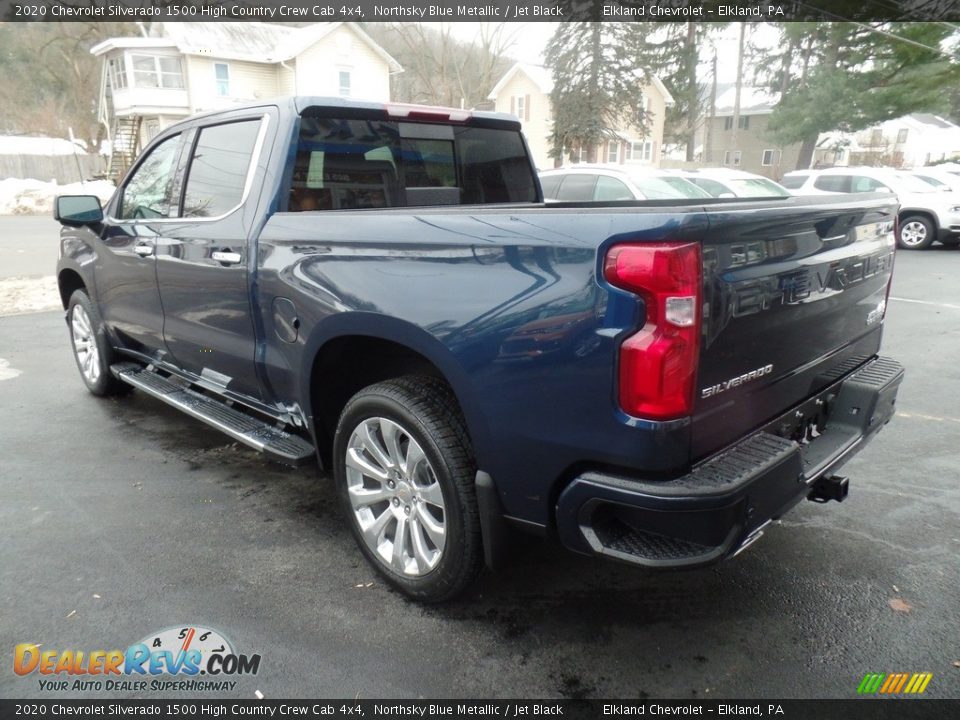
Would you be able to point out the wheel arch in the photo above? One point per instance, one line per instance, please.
(364, 348)
(925, 214)
(69, 281)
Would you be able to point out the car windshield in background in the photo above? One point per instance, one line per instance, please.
(756, 187)
(659, 188)
(686, 188)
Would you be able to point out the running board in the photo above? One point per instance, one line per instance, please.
(272, 442)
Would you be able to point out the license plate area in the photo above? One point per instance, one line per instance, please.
(807, 422)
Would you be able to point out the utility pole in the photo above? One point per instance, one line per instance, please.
(708, 141)
(736, 98)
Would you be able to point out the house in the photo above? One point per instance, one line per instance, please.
(182, 68)
(524, 91)
(752, 149)
(910, 141)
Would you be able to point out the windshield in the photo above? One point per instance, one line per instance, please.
(662, 188)
(756, 187)
(939, 185)
(903, 183)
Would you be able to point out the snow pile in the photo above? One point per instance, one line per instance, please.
(23, 295)
(35, 197)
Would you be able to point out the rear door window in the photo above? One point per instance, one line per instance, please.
(611, 189)
(354, 163)
(219, 167)
(833, 183)
(578, 188)
(792, 182)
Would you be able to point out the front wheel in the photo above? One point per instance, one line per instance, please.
(91, 349)
(404, 467)
(915, 233)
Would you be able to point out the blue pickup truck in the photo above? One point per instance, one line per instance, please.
(382, 289)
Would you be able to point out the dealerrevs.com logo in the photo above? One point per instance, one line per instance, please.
(181, 652)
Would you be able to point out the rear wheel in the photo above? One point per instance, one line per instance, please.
(91, 349)
(405, 471)
(915, 233)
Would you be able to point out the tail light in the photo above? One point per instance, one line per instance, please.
(658, 363)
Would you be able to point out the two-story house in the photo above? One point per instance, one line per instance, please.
(525, 91)
(751, 147)
(181, 68)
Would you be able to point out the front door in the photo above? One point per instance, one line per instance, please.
(202, 261)
(125, 263)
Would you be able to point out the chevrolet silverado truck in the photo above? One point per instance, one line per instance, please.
(381, 289)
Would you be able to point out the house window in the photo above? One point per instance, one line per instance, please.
(731, 157)
(902, 135)
(152, 71)
(613, 152)
(521, 107)
(876, 137)
(769, 158)
(639, 150)
(743, 122)
(344, 83)
(221, 72)
(117, 73)
(580, 155)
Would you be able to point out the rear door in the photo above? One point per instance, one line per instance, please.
(204, 258)
(793, 297)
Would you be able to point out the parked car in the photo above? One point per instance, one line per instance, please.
(382, 288)
(726, 182)
(940, 179)
(926, 214)
(602, 183)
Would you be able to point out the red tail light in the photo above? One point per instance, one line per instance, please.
(658, 363)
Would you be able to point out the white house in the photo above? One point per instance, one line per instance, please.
(524, 91)
(182, 68)
(910, 141)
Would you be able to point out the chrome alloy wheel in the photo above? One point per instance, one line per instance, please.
(913, 233)
(85, 344)
(396, 498)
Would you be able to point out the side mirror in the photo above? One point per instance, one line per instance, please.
(77, 210)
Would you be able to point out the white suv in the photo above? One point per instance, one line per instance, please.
(926, 213)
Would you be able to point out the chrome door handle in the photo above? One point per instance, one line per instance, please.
(143, 250)
(226, 256)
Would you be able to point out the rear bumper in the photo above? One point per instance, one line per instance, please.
(722, 505)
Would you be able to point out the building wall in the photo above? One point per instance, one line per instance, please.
(247, 82)
(318, 68)
(536, 123)
(751, 143)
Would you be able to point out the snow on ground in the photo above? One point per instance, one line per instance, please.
(24, 295)
(35, 197)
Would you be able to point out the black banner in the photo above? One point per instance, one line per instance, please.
(478, 10)
(860, 709)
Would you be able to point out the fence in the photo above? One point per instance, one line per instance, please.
(62, 168)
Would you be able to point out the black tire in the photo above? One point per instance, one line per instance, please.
(915, 232)
(103, 384)
(425, 410)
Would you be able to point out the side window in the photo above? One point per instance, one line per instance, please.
(577, 188)
(218, 168)
(711, 186)
(865, 184)
(610, 189)
(833, 183)
(550, 184)
(147, 192)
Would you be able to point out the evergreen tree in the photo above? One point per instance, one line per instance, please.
(848, 76)
(598, 82)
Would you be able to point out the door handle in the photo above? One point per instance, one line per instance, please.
(228, 257)
(143, 250)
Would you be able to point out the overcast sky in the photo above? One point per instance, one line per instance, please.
(531, 38)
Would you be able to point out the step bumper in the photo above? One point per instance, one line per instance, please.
(722, 505)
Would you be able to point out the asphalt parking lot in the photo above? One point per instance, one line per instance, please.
(123, 517)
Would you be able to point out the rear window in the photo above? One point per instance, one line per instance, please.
(347, 164)
(792, 182)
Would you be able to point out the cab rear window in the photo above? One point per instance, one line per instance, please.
(351, 163)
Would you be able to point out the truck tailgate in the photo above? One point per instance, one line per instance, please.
(794, 298)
